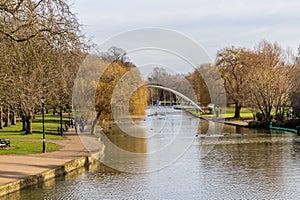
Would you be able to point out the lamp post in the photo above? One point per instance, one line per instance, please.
(70, 122)
(61, 122)
(1, 115)
(43, 122)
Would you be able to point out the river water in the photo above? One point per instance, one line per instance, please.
(211, 162)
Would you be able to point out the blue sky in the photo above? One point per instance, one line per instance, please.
(214, 24)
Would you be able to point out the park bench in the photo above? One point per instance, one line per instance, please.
(66, 129)
(4, 143)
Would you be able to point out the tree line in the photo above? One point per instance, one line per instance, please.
(41, 47)
(265, 79)
(109, 87)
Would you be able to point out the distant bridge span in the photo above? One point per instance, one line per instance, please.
(176, 93)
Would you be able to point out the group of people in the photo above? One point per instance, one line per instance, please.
(79, 122)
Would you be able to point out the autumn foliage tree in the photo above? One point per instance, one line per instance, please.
(105, 92)
(120, 92)
(203, 82)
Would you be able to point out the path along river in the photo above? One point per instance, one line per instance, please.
(185, 158)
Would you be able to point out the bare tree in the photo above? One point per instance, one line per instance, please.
(270, 81)
(234, 73)
(178, 82)
(295, 95)
(158, 75)
(41, 48)
(115, 54)
(22, 20)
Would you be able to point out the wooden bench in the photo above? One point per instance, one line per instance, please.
(4, 143)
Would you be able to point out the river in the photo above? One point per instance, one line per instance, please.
(202, 161)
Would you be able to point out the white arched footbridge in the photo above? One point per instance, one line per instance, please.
(176, 93)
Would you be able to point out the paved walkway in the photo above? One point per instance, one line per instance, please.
(229, 121)
(15, 167)
(237, 123)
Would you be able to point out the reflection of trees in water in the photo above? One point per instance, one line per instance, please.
(208, 127)
(230, 129)
(261, 161)
(129, 143)
(203, 126)
(132, 141)
(241, 153)
(124, 152)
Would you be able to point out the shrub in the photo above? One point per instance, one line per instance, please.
(259, 117)
(258, 124)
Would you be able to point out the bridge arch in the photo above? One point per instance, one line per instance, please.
(176, 93)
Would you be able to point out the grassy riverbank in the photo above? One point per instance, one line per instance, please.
(22, 143)
(51, 124)
(245, 112)
(28, 147)
(228, 113)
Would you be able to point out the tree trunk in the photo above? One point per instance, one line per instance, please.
(237, 112)
(0, 117)
(268, 116)
(54, 110)
(23, 117)
(13, 118)
(95, 123)
(7, 119)
(29, 124)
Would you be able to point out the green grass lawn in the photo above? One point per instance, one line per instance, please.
(245, 113)
(28, 144)
(28, 147)
(51, 124)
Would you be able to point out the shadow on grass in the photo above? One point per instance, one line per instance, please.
(36, 134)
(19, 132)
(50, 121)
(48, 132)
(51, 124)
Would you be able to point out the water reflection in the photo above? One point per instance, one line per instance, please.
(166, 135)
(254, 170)
(235, 163)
